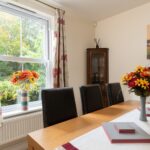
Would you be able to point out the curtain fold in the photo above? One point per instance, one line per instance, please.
(60, 69)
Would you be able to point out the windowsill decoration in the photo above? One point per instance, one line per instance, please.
(138, 82)
(24, 80)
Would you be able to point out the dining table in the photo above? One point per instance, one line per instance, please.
(54, 136)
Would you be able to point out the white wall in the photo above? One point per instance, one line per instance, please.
(125, 35)
(79, 37)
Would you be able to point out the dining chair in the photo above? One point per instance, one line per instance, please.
(114, 93)
(58, 105)
(91, 98)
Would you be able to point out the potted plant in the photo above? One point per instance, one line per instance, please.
(138, 82)
(24, 80)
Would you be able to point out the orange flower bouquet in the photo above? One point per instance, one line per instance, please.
(138, 81)
(24, 79)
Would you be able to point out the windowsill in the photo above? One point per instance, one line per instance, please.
(15, 110)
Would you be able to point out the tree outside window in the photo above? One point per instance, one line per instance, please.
(23, 45)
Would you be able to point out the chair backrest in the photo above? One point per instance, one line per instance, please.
(58, 105)
(114, 93)
(91, 98)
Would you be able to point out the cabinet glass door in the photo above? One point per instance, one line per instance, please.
(98, 67)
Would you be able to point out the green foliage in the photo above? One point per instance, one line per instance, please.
(18, 34)
(8, 94)
(7, 68)
(9, 35)
(34, 93)
(33, 37)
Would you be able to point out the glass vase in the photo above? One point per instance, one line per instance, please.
(143, 109)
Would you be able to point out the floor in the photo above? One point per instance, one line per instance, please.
(18, 146)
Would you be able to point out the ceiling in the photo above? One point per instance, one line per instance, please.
(96, 10)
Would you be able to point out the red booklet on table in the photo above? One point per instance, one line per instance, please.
(122, 127)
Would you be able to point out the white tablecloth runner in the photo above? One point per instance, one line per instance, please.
(98, 140)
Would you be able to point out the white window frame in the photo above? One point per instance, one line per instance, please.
(17, 11)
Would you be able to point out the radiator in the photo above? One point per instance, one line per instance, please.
(18, 127)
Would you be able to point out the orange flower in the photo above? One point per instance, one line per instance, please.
(35, 75)
(128, 77)
(24, 79)
(145, 74)
(14, 80)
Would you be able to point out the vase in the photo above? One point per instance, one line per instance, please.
(24, 100)
(143, 110)
(97, 46)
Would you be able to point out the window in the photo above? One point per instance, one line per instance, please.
(23, 46)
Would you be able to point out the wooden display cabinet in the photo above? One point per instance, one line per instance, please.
(97, 69)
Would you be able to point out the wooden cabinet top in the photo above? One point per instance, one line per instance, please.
(97, 49)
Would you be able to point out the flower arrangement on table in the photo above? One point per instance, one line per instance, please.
(24, 79)
(138, 82)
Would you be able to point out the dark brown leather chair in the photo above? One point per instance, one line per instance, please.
(91, 98)
(58, 105)
(114, 93)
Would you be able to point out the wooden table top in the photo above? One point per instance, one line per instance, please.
(53, 136)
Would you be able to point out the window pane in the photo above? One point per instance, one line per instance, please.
(9, 34)
(22, 36)
(33, 38)
(8, 91)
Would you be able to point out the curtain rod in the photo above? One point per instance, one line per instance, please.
(47, 4)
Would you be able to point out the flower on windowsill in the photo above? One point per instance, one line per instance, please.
(24, 79)
(138, 81)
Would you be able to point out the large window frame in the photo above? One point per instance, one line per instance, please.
(46, 60)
